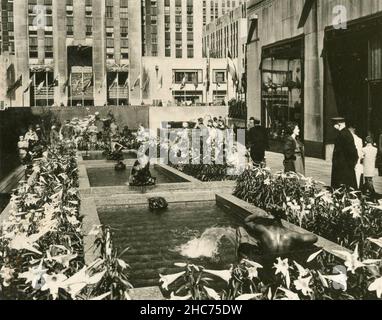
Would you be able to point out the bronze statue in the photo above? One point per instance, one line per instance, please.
(265, 238)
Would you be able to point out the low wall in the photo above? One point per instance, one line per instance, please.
(159, 115)
(128, 115)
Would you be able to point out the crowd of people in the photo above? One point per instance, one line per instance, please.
(354, 160)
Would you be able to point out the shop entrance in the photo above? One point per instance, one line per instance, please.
(353, 80)
(282, 94)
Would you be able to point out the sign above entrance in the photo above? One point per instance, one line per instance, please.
(80, 69)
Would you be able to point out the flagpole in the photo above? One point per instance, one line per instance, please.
(117, 89)
(71, 90)
(47, 88)
(34, 89)
(83, 93)
(140, 82)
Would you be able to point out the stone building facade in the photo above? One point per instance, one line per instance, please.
(311, 60)
(94, 52)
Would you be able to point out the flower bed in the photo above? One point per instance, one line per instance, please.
(41, 243)
(320, 278)
(344, 216)
(207, 172)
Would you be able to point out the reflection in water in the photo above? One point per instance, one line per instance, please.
(207, 245)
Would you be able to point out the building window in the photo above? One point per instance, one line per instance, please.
(191, 76)
(219, 76)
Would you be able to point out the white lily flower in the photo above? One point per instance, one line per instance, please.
(377, 286)
(289, 295)
(174, 297)
(53, 283)
(168, 280)
(282, 266)
(226, 275)
(6, 274)
(212, 293)
(301, 270)
(340, 279)
(314, 256)
(302, 284)
(22, 242)
(352, 260)
(34, 276)
(378, 242)
(246, 297)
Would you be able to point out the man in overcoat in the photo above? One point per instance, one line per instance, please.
(345, 157)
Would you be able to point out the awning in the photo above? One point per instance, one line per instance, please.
(305, 12)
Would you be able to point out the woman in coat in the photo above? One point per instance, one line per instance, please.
(294, 151)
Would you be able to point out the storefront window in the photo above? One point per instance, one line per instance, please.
(282, 90)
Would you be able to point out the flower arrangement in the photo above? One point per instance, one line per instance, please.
(342, 216)
(41, 244)
(321, 278)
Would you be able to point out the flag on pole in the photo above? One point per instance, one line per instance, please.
(88, 84)
(126, 85)
(196, 82)
(66, 84)
(173, 80)
(54, 83)
(40, 86)
(183, 84)
(12, 89)
(160, 84)
(31, 81)
(208, 82)
(146, 80)
(231, 68)
(137, 82)
(114, 83)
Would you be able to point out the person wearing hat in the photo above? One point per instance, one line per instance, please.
(345, 157)
(257, 141)
(54, 135)
(67, 131)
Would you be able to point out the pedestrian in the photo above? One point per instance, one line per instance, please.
(67, 131)
(294, 150)
(54, 136)
(345, 157)
(369, 160)
(257, 141)
(31, 137)
(359, 146)
(99, 124)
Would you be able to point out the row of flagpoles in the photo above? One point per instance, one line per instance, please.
(231, 70)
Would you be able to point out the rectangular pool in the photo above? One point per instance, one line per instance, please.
(108, 177)
(100, 156)
(153, 238)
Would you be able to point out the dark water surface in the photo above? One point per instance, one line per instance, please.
(152, 238)
(100, 156)
(108, 177)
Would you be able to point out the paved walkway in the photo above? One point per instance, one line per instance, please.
(318, 169)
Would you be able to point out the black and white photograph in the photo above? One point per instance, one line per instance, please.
(215, 152)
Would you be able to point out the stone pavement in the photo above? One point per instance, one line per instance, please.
(318, 169)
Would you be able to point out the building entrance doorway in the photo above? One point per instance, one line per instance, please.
(353, 80)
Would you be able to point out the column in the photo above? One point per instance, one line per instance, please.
(135, 47)
(117, 31)
(313, 97)
(20, 11)
(99, 53)
(60, 52)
